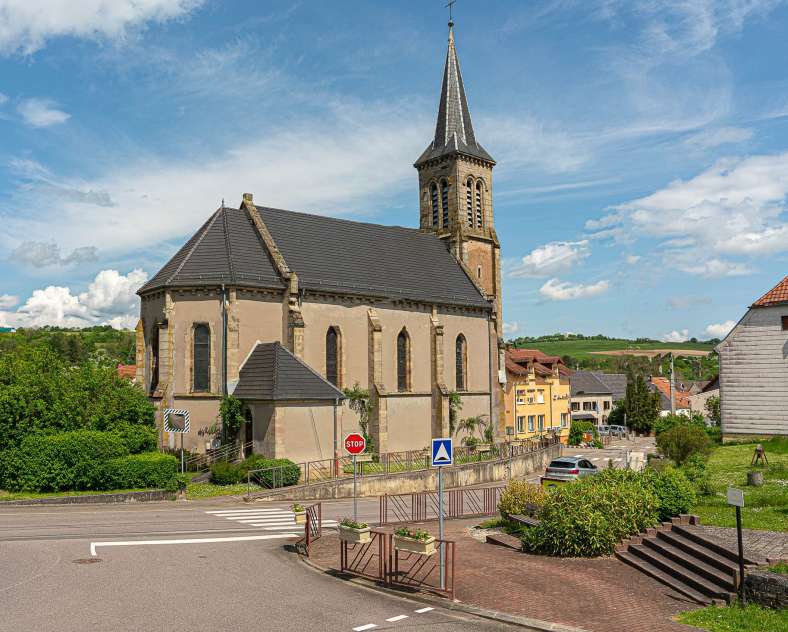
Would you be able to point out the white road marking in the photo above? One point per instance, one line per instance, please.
(245, 538)
(397, 618)
(423, 610)
(327, 524)
(594, 459)
(225, 512)
(361, 628)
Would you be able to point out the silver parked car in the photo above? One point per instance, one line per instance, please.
(568, 468)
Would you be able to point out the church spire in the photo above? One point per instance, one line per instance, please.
(453, 130)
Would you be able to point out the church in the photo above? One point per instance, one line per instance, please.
(283, 310)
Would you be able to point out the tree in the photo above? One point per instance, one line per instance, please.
(472, 425)
(681, 442)
(358, 402)
(231, 410)
(455, 406)
(713, 409)
(641, 405)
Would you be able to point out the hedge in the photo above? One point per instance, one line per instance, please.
(65, 461)
(223, 473)
(151, 469)
(587, 518)
(674, 491)
(519, 497)
(138, 438)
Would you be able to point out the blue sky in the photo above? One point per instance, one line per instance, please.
(642, 145)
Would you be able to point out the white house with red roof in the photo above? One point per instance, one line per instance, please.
(754, 369)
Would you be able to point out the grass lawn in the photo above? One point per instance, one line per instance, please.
(765, 507)
(735, 619)
(209, 490)
(582, 349)
(780, 567)
(4, 495)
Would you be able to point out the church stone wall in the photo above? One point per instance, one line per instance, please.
(476, 332)
(409, 425)
(259, 318)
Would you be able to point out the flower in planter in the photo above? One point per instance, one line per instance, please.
(413, 534)
(352, 524)
(298, 508)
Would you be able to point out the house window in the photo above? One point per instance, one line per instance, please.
(479, 213)
(403, 361)
(461, 362)
(575, 406)
(564, 420)
(521, 424)
(520, 397)
(435, 208)
(606, 405)
(785, 323)
(530, 423)
(469, 202)
(332, 356)
(541, 423)
(154, 359)
(201, 369)
(540, 397)
(445, 202)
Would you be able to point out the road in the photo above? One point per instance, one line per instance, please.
(194, 566)
(200, 565)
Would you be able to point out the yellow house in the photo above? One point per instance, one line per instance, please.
(536, 395)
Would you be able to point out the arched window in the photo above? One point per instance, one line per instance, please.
(445, 202)
(435, 208)
(461, 361)
(332, 356)
(469, 201)
(479, 214)
(403, 361)
(201, 368)
(154, 359)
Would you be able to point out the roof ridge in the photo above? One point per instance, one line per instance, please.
(415, 231)
(228, 245)
(206, 228)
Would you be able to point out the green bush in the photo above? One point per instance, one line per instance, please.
(177, 483)
(589, 517)
(517, 496)
(140, 470)
(673, 490)
(578, 428)
(695, 470)
(286, 474)
(682, 441)
(224, 473)
(65, 461)
(137, 438)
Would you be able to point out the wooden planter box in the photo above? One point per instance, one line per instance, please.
(355, 536)
(300, 517)
(420, 547)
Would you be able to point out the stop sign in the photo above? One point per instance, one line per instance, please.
(355, 443)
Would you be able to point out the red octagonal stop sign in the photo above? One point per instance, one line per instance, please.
(355, 443)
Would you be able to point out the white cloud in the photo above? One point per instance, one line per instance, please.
(688, 301)
(734, 208)
(41, 254)
(7, 301)
(720, 330)
(632, 259)
(26, 25)
(550, 259)
(557, 290)
(3, 99)
(109, 299)
(41, 113)
(511, 328)
(676, 336)
(711, 138)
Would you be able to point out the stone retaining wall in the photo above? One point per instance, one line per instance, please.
(767, 589)
(464, 475)
(95, 499)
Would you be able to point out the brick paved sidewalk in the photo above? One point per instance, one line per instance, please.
(771, 545)
(599, 595)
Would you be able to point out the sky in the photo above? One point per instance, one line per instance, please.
(641, 145)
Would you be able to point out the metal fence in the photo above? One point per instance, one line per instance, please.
(231, 453)
(423, 506)
(381, 561)
(313, 528)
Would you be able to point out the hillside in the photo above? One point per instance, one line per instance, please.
(587, 348)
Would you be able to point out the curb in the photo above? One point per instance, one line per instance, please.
(94, 499)
(526, 623)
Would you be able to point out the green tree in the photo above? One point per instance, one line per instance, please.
(641, 405)
(358, 402)
(231, 410)
(713, 409)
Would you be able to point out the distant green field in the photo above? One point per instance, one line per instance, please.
(583, 349)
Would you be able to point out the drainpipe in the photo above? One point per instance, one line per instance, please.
(224, 353)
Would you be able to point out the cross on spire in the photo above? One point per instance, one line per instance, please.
(449, 6)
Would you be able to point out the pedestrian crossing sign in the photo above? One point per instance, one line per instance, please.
(442, 452)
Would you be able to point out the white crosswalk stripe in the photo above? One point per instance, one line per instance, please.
(269, 518)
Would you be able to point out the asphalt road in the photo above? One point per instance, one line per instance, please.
(160, 567)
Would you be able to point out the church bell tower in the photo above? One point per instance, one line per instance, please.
(455, 187)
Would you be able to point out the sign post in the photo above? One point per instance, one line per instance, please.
(177, 421)
(736, 498)
(442, 455)
(355, 444)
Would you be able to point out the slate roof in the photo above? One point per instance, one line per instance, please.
(454, 130)
(776, 296)
(272, 373)
(616, 382)
(226, 249)
(337, 255)
(586, 383)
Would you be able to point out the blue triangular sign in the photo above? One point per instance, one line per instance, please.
(442, 452)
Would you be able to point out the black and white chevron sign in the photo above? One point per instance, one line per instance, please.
(176, 420)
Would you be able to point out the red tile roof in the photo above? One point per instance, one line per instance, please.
(519, 361)
(663, 386)
(777, 295)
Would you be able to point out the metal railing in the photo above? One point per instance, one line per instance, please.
(313, 528)
(381, 561)
(274, 477)
(423, 506)
(233, 453)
